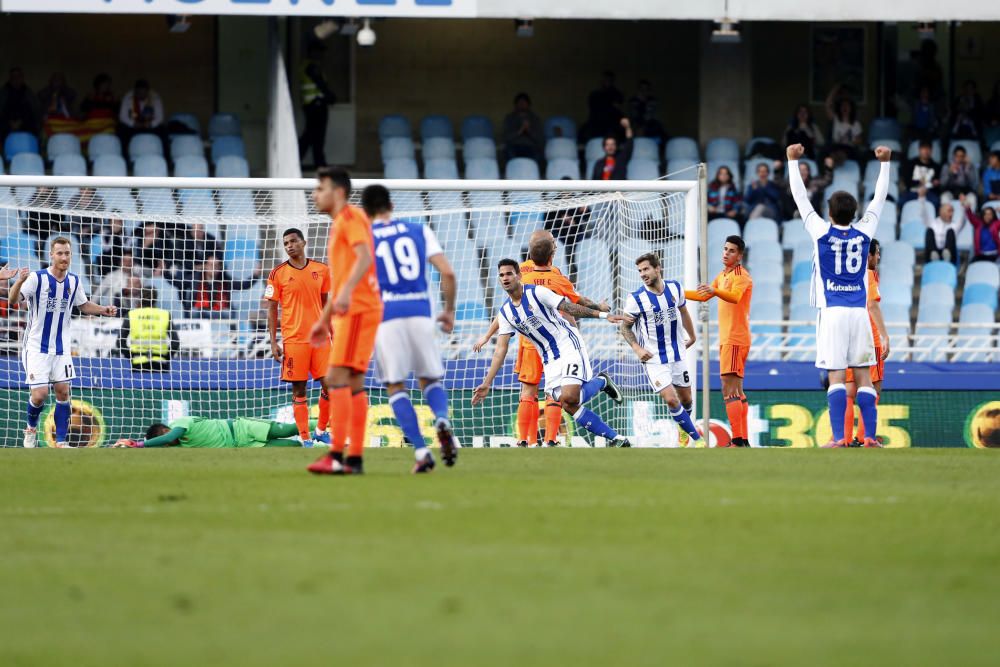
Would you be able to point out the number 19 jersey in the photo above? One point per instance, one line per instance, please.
(401, 253)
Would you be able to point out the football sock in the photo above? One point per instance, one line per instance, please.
(437, 397)
(524, 409)
(590, 421)
(745, 421)
(279, 430)
(324, 411)
(402, 407)
(688, 408)
(300, 408)
(340, 405)
(683, 419)
(359, 424)
(861, 421)
(553, 420)
(734, 410)
(868, 402)
(62, 420)
(33, 412)
(836, 397)
(592, 388)
(849, 420)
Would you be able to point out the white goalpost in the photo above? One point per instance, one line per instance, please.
(202, 248)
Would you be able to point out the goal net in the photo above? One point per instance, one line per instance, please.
(202, 250)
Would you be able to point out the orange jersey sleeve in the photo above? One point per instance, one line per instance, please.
(874, 296)
(299, 293)
(734, 318)
(350, 228)
(552, 279)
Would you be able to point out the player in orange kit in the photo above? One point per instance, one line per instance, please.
(735, 289)
(352, 315)
(301, 287)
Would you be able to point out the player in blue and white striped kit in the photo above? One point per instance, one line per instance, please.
(534, 312)
(50, 296)
(657, 307)
(840, 291)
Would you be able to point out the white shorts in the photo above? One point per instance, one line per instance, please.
(571, 368)
(407, 345)
(41, 368)
(662, 376)
(844, 339)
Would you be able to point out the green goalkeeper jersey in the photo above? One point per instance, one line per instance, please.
(201, 432)
(218, 433)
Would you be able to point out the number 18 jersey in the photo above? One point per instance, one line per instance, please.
(840, 262)
(401, 253)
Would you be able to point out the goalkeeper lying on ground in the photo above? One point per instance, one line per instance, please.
(217, 434)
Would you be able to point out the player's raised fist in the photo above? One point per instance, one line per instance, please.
(795, 151)
(883, 153)
(110, 311)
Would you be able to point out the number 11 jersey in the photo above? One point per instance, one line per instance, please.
(401, 253)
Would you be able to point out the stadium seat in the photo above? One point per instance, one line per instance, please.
(197, 203)
(151, 166)
(972, 150)
(914, 150)
(157, 201)
(933, 323)
(401, 168)
(765, 256)
(972, 336)
(436, 126)
(523, 224)
(144, 144)
(983, 273)
(110, 164)
(872, 169)
(806, 316)
(913, 232)
(560, 126)
(850, 187)
(479, 148)
(800, 296)
(643, 170)
(980, 294)
(224, 125)
(237, 203)
(18, 250)
(886, 230)
(476, 127)
(232, 166)
(188, 120)
(896, 293)
(69, 164)
(644, 148)
(793, 232)
(19, 142)
(765, 336)
(394, 126)
(103, 144)
(438, 148)
(522, 169)
(681, 148)
(120, 200)
(182, 145)
(395, 148)
(441, 169)
(891, 144)
(762, 231)
(899, 255)
(682, 169)
(849, 171)
(62, 144)
(488, 227)
(750, 168)
(713, 169)
(558, 169)
(240, 257)
(596, 281)
(803, 250)
(801, 274)
(594, 150)
(27, 164)
(560, 148)
(767, 272)
(719, 229)
(722, 148)
(939, 272)
(472, 310)
(755, 145)
(766, 309)
(937, 297)
(191, 166)
(482, 169)
(223, 146)
(885, 128)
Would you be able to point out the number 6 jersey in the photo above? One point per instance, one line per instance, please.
(401, 253)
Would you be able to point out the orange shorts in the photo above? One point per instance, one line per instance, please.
(528, 365)
(354, 339)
(733, 359)
(878, 370)
(302, 361)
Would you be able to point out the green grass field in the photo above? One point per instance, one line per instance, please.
(515, 557)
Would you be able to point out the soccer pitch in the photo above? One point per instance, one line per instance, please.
(514, 557)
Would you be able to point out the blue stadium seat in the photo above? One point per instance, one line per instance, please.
(232, 166)
(69, 164)
(933, 323)
(479, 148)
(850, 187)
(224, 125)
(191, 166)
(801, 274)
(27, 164)
(766, 270)
(594, 149)
(223, 146)
(885, 128)
(144, 144)
(939, 272)
(886, 230)
(560, 148)
(913, 232)
(151, 166)
(476, 127)
(896, 293)
(482, 169)
(899, 255)
(970, 335)
(62, 144)
(522, 169)
(914, 150)
(157, 201)
(488, 227)
(766, 311)
(560, 126)
(438, 148)
(644, 148)
(972, 150)
(558, 169)
(803, 251)
(805, 314)
(401, 168)
(240, 257)
(436, 126)
(722, 148)
(983, 294)
(394, 126)
(110, 164)
(978, 313)
(18, 250)
(764, 256)
(121, 200)
(872, 169)
(197, 202)
(471, 310)
(237, 203)
(983, 273)
(762, 231)
(188, 120)
(441, 169)
(596, 281)
(800, 296)
(395, 148)
(849, 171)
(755, 145)
(719, 229)
(681, 148)
(524, 223)
(682, 169)
(793, 232)
(937, 298)
(103, 144)
(186, 144)
(642, 170)
(20, 142)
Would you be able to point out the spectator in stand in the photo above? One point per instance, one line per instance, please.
(569, 226)
(921, 174)
(114, 284)
(316, 100)
(604, 106)
(19, 110)
(991, 178)
(926, 117)
(113, 244)
(642, 113)
(815, 187)
(986, 234)
(192, 246)
(57, 102)
(802, 129)
(150, 249)
(154, 340)
(724, 200)
(214, 288)
(99, 108)
(42, 219)
(614, 165)
(763, 197)
(941, 239)
(141, 111)
(960, 177)
(846, 132)
(523, 132)
(967, 114)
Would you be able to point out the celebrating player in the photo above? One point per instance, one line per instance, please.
(405, 340)
(205, 433)
(301, 287)
(536, 313)
(735, 290)
(538, 270)
(881, 338)
(354, 315)
(654, 307)
(839, 289)
(50, 296)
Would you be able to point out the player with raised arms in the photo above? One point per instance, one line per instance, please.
(654, 336)
(352, 315)
(536, 313)
(840, 292)
(50, 296)
(301, 287)
(405, 342)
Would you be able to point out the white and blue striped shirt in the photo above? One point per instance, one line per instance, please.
(658, 320)
(50, 303)
(538, 319)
